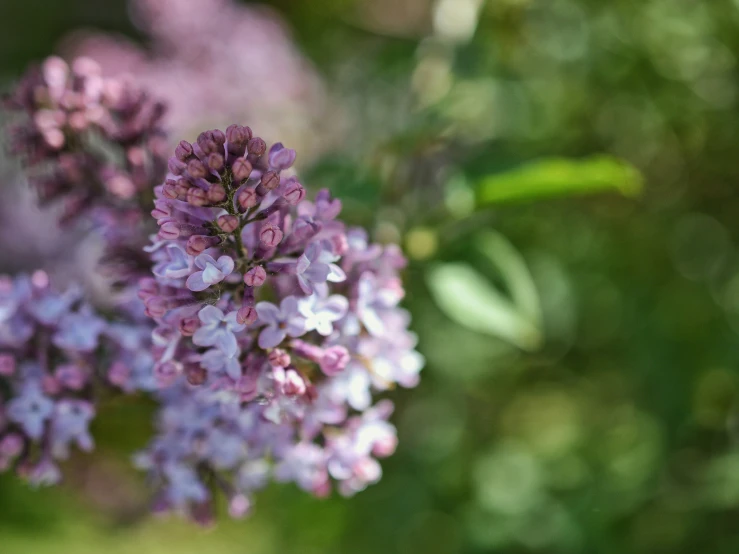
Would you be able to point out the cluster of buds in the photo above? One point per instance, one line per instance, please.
(276, 324)
(95, 145)
(50, 374)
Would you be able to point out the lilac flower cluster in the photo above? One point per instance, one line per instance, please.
(275, 325)
(50, 373)
(91, 139)
(195, 46)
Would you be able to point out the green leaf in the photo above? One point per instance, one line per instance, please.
(560, 177)
(468, 298)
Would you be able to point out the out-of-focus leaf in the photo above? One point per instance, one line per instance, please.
(514, 272)
(471, 300)
(560, 177)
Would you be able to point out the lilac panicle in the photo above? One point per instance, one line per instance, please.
(276, 326)
(51, 345)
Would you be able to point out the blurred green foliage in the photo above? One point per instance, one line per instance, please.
(581, 388)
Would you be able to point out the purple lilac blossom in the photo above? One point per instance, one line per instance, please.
(51, 372)
(273, 367)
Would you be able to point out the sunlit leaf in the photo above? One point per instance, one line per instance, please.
(560, 177)
(471, 300)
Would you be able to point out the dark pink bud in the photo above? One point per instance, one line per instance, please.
(218, 137)
(247, 198)
(197, 244)
(228, 223)
(236, 136)
(334, 360)
(183, 150)
(175, 166)
(182, 186)
(246, 315)
(197, 197)
(294, 192)
(196, 169)
(271, 235)
(279, 358)
(189, 325)
(241, 169)
(196, 375)
(161, 210)
(216, 193)
(7, 365)
(255, 277)
(270, 180)
(256, 146)
(216, 161)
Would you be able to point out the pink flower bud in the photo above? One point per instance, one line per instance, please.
(156, 306)
(216, 193)
(271, 236)
(228, 223)
(189, 325)
(215, 162)
(169, 231)
(50, 385)
(196, 169)
(334, 360)
(247, 198)
(7, 365)
(281, 158)
(183, 150)
(197, 244)
(241, 169)
(385, 446)
(246, 315)
(255, 277)
(196, 197)
(169, 189)
(256, 146)
(279, 358)
(270, 180)
(119, 374)
(294, 192)
(196, 375)
(294, 384)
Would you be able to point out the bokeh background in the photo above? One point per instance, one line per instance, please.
(562, 176)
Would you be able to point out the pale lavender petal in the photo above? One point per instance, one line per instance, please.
(268, 312)
(271, 336)
(336, 274)
(195, 282)
(206, 336)
(226, 265)
(289, 305)
(210, 315)
(212, 275)
(204, 259)
(226, 343)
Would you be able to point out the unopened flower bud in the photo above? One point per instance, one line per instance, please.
(270, 236)
(196, 169)
(169, 189)
(270, 180)
(279, 358)
(197, 244)
(241, 169)
(196, 375)
(255, 277)
(294, 192)
(183, 150)
(256, 146)
(166, 373)
(238, 506)
(216, 193)
(189, 325)
(228, 223)
(216, 161)
(246, 315)
(294, 384)
(197, 197)
(334, 360)
(169, 231)
(247, 198)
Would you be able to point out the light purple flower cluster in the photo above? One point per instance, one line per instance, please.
(275, 325)
(51, 345)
